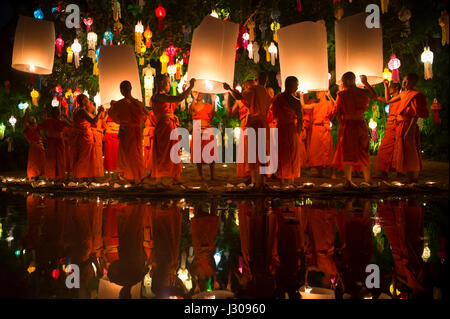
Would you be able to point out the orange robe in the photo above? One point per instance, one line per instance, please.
(97, 131)
(386, 150)
(69, 139)
(110, 232)
(204, 116)
(290, 149)
(204, 232)
(352, 146)
(149, 135)
(243, 141)
(55, 155)
(111, 144)
(321, 149)
(407, 158)
(83, 161)
(130, 158)
(36, 152)
(307, 127)
(162, 164)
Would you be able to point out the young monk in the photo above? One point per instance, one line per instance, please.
(36, 151)
(149, 135)
(287, 112)
(321, 149)
(129, 113)
(202, 115)
(386, 149)
(413, 104)
(242, 107)
(164, 106)
(111, 139)
(55, 155)
(83, 161)
(352, 149)
(259, 102)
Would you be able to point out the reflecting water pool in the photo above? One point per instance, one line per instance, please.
(264, 247)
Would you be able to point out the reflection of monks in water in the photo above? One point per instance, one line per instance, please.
(258, 246)
(318, 223)
(355, 232)
(403, 224)
(166, 232)
(204, 227)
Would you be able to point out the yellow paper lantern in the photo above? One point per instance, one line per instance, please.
(69, 54)
(212, 55)
(358, 49)
(303, 54)
(138, 31)
(34, 97)
(34, 46)
(164, 59)
(387, 75)
(116, 64)
(275, 26)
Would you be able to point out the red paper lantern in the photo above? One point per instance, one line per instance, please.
(160, 14)
(171, 51)
(55, 273)
(436, 107)
(59, 45)
(58, 90)
(75, 95)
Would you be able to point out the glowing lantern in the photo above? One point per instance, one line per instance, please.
(59, 45)
(92, 42)
(426, 254)
(55, 102)
(116, 63)
(255, 52)
(34, 97)
(444, 23)
(58, 91)
(214, 14)
(338, 12)
(427, 59)
(358, 49)
(116, 10)
(303, 54)
(55, 273)
(171, 51)
(436, 107)
(88, 22)
(178, 66)
(108, 37)
(138, 31)
(266, 48)
(251, 29)
(171, 70)
(164, 59)
(275, 27)
(69, 54)
(2, 131)
(273, 53)
(148, 74)
(97, 99)
(384, 6)
(245, 37)
(12, 120)
(117, 27)
(404, 15)
(148, 37)
(22, 106)
(34, 46)
(393, 65)
(212, 54)
(387, 75)
(75, 95)
(250, 50)
(373, 127)
(76, 48)
(160, 14)
(38, 14)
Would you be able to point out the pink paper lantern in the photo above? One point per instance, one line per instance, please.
(393, 65)
(59, 45)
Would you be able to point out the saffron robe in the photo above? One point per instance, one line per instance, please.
(55, 155)
(243, 141)
(83, 161)
(36, 152)
(149, 135)
(204, 232)
(111, 139)
(204, 115)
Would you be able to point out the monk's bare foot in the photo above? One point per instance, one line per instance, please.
(350, 185)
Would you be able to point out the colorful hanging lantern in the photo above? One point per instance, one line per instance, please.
(160, 14)
(55, 102)
(214, 14)
(178, 73)
(387, 75)
(171, 70)
(299, 6)
(393, 65)
(58, 91)
(443, 22)
(22, 106)
(75, 95)
(12, 120)
(92, 42)
(384, 6)
(97, 99)
(2, 131)
(250, 50)
(55, 273)
(262, 27)
(275, 26)
(373, 126)
(88, 22)
(38, 14)
(404, 15)
(186, 29)
(141, 57)
(273, 53)
(251, 29)
(116, 10)
(266, 48)
(338, 12)
(171, 51)
(245, 38)
(108, 37)
(148, 37)
(164, 59)
(138, 31)
(436, 107)
(148, 73)
(69, 54)
(427, 59)
(117, 27)
(76, 48)
(34, 97)
(185, 57)
(255, 52)
(59, 45)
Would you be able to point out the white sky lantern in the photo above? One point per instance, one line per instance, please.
(303, 54)
(34, 46)
(212, 55)
(116, 64)
(358, 49)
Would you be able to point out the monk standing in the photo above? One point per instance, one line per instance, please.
(36, 151)
(352, 149)
(202, 115)
(149, 136)
(259, 101)
(111, 139)
(129, 113)
(164, 106)
(386, 149)
(287, 112)
(97, 131)
(413, 104)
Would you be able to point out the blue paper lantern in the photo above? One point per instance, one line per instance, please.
(38, 14)
(386, 108)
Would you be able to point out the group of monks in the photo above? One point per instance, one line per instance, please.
(304, 133)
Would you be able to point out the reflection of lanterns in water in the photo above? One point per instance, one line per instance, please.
(376, 229)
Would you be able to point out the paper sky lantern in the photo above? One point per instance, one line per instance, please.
(303, 54)
(436, 107)
(393, 65)
(427, 59)
(116, 64)
(34, 46)
(213, 55)
(358, 49)
(160, 13)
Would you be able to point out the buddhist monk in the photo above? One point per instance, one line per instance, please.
(202, 115)
(55, 154)
(259, 102)
(69, 140)
(287, 112)
(413, 104)
(321, 149)
(352, 149)
(129, 113)
(164, 106)
(111, 139)
(36, 151)
(149, 136)
(97, 131)
(83, 150)
(272, 124)
(307, 111)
